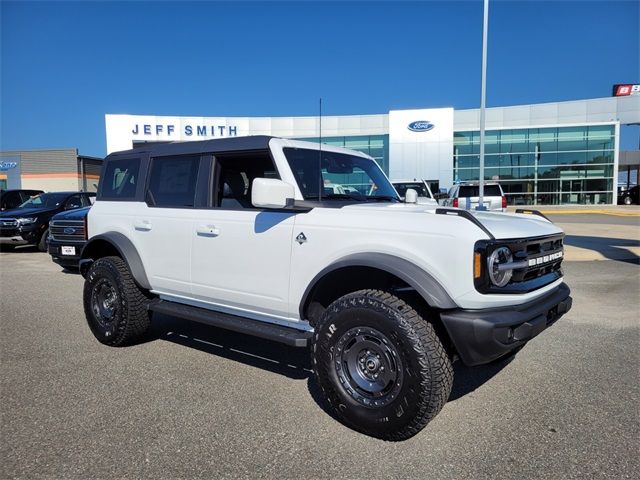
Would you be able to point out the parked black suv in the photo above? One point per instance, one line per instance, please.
(10, 199)
(67, 236)
(630, 197)
(29, 223)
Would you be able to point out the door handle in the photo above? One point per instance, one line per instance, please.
(208, 231)
(142, 225)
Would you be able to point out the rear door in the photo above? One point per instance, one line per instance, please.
(161, 225)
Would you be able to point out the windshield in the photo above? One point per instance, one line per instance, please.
(417, 186)
(49, 200)
(343, 176)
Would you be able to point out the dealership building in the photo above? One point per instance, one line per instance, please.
(549, 153)
(61, 169)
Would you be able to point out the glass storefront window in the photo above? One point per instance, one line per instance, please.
(376, 146)
(574, 164)
(514, 141)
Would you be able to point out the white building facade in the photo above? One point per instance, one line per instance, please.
(550, 153)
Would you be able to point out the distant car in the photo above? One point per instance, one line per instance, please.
(10, 199)
(29, 223)
(467, 197)
(630, 197)
(425, 196)
(67, 236)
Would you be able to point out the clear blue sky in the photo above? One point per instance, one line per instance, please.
(64, 65)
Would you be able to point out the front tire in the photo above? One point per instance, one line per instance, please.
(381, 366)
(42, 244)
(114, 305)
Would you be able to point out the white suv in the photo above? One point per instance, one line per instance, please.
(467, 196)
(247, 234)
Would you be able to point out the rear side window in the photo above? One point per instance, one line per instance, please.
(474, 191)
(172, 182)
(120, 179)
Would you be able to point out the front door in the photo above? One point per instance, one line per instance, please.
(241, 256)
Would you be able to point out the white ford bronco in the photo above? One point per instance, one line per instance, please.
(250, 235)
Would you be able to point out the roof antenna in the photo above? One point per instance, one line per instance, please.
(321, 187)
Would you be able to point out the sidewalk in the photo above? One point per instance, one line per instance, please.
(617, 210)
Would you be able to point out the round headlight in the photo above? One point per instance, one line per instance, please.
(499, 257)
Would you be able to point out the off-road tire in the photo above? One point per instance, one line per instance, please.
(42, 244)
(129, 317)
(426, 374)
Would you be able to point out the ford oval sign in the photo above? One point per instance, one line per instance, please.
(69, 231)
(421, 126)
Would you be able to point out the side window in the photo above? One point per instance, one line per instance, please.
(236, 174)
(12, 200)
(87, 200)
(120, 179)
(74, 201)
(172, 182)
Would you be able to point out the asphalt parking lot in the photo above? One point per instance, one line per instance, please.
(201, 402)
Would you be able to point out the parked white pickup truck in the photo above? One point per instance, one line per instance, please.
(244, 234)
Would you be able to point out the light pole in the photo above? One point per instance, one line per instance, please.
(483, 94)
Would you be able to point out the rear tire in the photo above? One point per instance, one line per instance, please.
(381, 366)
(114, 305)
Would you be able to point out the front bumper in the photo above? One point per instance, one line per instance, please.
(481, 336)
(55, 250)
(13, 240)
(21, 235)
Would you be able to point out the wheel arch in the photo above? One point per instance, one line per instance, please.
(384, 266)
(114, 243)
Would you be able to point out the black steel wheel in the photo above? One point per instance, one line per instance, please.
(369, 366)
(380, 365)
(114, 305)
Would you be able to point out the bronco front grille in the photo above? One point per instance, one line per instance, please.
(536, 262)
(542, 257)
(67, 230)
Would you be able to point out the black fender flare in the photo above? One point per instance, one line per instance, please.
(424, 283)
(125, 248)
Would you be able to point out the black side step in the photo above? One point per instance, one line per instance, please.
(268, 331)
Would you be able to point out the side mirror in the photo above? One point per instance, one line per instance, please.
(410, 196)
(271, 193)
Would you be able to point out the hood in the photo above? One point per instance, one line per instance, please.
(26, 212)
(75, 214)
(501, 225)
(513, 225)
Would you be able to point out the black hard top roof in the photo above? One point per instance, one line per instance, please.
(232, 144)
